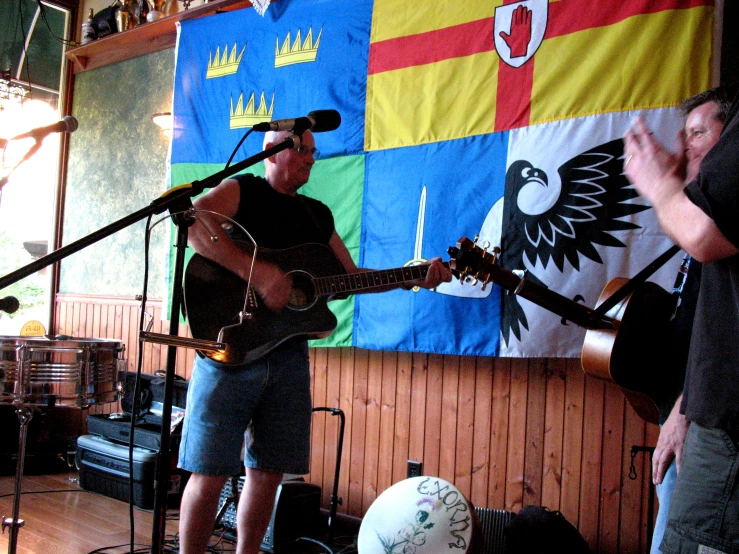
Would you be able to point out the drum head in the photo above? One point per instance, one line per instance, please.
(420, 515)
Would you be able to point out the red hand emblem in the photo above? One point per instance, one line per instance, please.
(520, 35)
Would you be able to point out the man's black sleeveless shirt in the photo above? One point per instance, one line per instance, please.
(277, 220)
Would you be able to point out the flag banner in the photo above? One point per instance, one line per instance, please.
(237, 69)
(572, 222)
(503, 66)
(501, 120)
(418, 202)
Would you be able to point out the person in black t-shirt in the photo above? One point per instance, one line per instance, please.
(266, 402)
(702, 218)
(705, 116)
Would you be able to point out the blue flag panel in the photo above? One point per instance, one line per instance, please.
(463, 180)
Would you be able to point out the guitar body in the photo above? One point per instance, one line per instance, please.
(214, 297)
(632, 355)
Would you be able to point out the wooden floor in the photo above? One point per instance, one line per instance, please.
(74, 521)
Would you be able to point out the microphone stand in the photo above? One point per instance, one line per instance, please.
(177, 199)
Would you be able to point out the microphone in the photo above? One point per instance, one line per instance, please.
(9, 304)
(68, 124)
(317, 121)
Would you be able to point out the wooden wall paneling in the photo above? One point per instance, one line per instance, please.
(388, 399)
(118, 323)
(60, 315)
(331, 422)
(401, 440)
(346, 392)
(104, 320)
(633, 514)
(612, 469)
(652, 434)
(97, 308)
(506, 432)
(516, 434)
(432, 427)
(572, 442)
(483, 409)
(359, 426)
(417, 427)
(551, 480)
(592, 454)
(449, 412)
(75, 329)
(372, 450)
(319, 366)
(465, 425)
(89, 317)
(499, 435)
(535, 417)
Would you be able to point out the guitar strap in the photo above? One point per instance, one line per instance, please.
(629, 286)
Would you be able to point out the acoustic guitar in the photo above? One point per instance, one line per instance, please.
(222, 307)
(626, 346)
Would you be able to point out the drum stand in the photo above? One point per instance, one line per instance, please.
(14, 523)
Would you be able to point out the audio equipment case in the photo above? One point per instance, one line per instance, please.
(147, 432)
(103, 467)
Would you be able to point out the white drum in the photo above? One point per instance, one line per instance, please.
(420, 515)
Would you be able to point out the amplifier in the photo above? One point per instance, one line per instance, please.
(296, 513)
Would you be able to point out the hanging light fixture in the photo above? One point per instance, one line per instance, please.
(163, 120)
(10, 89)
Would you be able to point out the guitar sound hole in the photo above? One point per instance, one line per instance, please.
(303, 293)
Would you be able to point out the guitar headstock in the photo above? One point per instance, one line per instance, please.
(472, 263)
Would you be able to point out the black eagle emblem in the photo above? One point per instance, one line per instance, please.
(549, 222)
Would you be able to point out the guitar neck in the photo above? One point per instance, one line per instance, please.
(561, 305)
(352, 283)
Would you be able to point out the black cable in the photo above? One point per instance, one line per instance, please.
(25, 52)
(64, 41)
(228, 163)
(137, 384)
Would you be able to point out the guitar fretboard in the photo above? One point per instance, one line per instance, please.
(355, 282)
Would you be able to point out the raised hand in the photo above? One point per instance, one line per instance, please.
(520, 35)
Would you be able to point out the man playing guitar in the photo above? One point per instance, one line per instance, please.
(266, 402)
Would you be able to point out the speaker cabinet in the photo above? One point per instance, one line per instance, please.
(296, 513)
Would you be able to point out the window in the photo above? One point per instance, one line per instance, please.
(31, 78)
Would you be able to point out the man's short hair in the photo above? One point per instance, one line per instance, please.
(721, 95)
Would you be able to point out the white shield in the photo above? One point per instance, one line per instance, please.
(519, 30)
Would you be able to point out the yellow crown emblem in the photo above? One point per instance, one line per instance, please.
(248, 116)
(300, 51)
(226, 64)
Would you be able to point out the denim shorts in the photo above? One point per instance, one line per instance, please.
(266, 403)
(704, 510)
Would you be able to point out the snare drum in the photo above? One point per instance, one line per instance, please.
(420, 515)
(62, 371)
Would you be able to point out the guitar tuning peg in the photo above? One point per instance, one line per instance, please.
(486, 245)
(474, 242)
(485, 283)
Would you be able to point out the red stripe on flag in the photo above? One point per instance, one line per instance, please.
(475, 37)
(571, 17)
(513, 101)
(434, 46)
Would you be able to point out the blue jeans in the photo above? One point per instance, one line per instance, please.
(704, 510)
(266, 403)
(664, 494)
